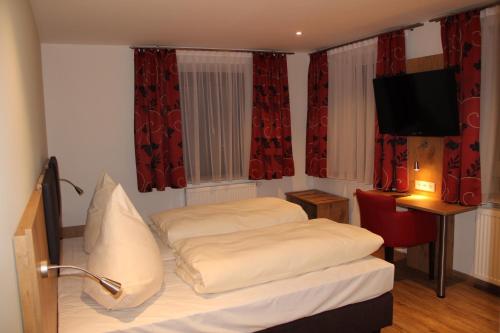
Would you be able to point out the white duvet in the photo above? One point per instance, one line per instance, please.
(218, 263)
(228, 217)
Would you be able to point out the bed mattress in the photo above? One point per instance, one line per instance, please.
(177, 308)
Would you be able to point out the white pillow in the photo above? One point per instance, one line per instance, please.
(214, 219)
(166, 252)
(126, 252)
(95, 213)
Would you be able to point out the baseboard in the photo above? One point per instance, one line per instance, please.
(72, 232)
(479, 284)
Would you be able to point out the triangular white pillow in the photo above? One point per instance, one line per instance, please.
(126, 252)
(95, 213)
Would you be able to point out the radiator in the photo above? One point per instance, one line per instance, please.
(220, 193)
(487, 258)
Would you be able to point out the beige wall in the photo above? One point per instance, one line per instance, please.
(23, 145)
(424, 41)
(89, 100)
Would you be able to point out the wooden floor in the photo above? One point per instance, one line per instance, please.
(417, 309)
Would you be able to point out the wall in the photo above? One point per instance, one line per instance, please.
(424, 41)
(23, 144)
(421, 42)
(89, 100)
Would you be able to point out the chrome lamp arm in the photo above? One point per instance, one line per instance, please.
(78, 189)
(114, 287)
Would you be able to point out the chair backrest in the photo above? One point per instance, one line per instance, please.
(375, 210)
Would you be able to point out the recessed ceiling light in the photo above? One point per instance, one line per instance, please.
(299, 33)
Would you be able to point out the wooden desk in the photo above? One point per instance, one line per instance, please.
(430, 205)
(390, 194)
(446, 213)
(321, 204)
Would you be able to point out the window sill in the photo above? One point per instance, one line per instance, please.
(222, 183)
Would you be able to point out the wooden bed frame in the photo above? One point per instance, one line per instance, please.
(39, 297)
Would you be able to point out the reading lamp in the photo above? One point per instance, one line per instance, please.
(422, 145)
(416, 166)
(77, 188)
(114, 287)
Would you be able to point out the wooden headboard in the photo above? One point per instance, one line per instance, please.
(38, 295)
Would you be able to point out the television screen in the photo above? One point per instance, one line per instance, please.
(421, 104)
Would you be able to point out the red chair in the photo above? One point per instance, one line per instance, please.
(398, 229)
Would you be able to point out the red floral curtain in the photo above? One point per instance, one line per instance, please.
(461, 39)
(391, 153)
(317, 115)
(157, 121)
(271, 147)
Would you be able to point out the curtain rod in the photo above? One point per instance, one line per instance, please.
(408, 27)
(437, 19)
(206, 49)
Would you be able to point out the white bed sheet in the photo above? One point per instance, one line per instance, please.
(73, 254)
(177, 308)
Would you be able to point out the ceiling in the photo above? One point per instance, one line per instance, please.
(251, 24)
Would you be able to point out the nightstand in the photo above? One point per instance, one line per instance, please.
(321, 204)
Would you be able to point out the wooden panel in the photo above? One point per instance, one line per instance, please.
(38, 295)
(423, 64)
(428, 150)
(72, 232)
(429, 153)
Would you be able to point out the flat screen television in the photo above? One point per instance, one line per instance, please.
(421, 104)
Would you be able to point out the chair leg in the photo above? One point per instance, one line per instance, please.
(432, 256)
(389, 254)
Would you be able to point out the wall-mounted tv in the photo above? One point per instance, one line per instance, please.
(421, 104)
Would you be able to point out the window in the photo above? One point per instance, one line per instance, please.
(216, 104)
(351, 111)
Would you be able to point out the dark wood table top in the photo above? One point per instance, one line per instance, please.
(432, 205)
(315, 197)
(425, 203)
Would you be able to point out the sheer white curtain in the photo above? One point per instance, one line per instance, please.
(351, 111)
(216, 104)
(490, 103)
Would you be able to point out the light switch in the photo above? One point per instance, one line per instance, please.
(423, 185)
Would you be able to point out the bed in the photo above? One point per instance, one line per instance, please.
(178, 309)
(353, 297)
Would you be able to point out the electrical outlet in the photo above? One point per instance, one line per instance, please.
(423, 185)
